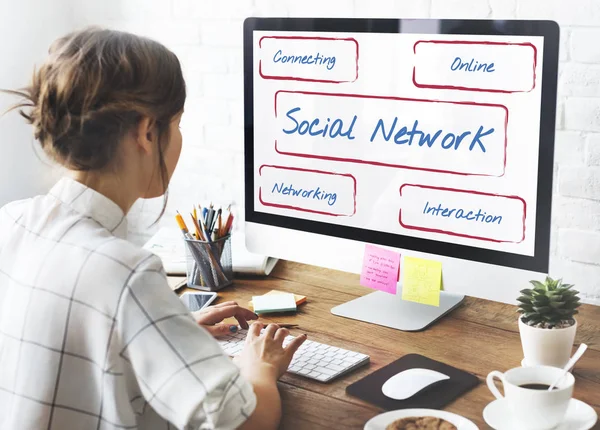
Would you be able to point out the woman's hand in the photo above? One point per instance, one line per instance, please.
(211, 318)
(263, 355)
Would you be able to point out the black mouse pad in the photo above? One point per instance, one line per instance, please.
(436, 396)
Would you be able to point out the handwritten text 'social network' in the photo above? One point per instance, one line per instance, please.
(387, 130)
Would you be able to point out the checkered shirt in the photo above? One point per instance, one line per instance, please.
(91, 336)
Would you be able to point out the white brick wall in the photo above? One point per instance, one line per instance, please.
(584, 45)
(207, 36)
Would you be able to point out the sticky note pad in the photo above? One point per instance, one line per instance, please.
(380, 269)
(421, 281)
(270, 303)
(299, 298)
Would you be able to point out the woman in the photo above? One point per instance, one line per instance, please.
(91, 336)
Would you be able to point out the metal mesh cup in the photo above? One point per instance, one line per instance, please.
(209, 265)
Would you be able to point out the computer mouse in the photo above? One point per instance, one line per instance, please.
(409, 382)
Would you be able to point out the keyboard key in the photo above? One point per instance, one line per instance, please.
(325, 371)
(314, 374)
(334, 367)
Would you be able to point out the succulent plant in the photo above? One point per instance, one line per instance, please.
(551, 304)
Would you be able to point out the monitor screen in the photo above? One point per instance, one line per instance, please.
(431, 135)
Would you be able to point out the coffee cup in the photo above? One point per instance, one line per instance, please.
(527, 398)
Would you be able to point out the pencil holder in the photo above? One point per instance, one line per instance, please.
(209, 264)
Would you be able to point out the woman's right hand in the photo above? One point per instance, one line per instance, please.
(263, 355)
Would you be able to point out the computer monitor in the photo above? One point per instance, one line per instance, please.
(434, 138)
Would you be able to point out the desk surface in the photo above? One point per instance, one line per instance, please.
(479, 337)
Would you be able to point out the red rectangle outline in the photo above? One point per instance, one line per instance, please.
(398, 166)
(485, 90)
(432, 230)
(291, 78)
(276, 205)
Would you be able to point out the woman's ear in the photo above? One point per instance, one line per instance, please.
(146, 134)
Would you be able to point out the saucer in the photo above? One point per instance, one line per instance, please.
(579, 416)
(381, 421)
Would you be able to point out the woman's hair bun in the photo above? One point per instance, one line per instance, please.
(95, 85)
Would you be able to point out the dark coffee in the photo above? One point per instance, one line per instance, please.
(536, 386)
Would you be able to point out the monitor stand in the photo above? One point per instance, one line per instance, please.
(391, 311)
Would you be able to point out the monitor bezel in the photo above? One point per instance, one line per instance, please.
(549, 30)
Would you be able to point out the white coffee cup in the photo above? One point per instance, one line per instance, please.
(530, 408)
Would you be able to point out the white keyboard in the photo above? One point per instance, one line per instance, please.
(313, 360)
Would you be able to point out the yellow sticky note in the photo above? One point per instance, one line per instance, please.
(421, 281)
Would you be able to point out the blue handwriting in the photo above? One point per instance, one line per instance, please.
(318, 59)
(471, 66)
(449, 140)
(478, 216)
(315, 194)
(315, 127)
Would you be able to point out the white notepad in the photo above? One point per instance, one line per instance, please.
(168, 244)
(271, 303)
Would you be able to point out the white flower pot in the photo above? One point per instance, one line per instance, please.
(548, 347)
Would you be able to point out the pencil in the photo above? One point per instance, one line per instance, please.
(197, 227)
(227, 220)
(219, 224)
(229, 225)
(182, 226)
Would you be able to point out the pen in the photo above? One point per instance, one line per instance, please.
(287, 325)
(209, 218)
(205, 230)
(281, 325)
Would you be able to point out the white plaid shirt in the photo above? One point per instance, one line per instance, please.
(91, 336)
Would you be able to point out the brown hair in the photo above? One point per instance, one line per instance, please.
(95, 86)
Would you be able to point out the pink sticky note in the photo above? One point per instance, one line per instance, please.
(380, 269)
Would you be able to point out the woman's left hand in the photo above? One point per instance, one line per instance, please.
(211, 318)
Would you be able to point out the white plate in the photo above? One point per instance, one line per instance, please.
(381, 421)
(579, 416)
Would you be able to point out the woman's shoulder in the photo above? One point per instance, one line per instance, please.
(14, 208)
(10, 214)
(132, 256)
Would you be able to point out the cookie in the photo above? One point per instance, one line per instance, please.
(421, 423)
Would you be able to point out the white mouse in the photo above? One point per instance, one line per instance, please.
(409, 382)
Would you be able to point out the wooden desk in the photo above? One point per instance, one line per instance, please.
(479, 337)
